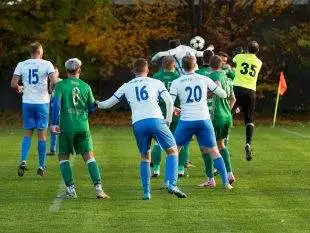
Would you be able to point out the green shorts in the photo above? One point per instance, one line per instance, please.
(174, 123)
(222, 130)
(78, 142)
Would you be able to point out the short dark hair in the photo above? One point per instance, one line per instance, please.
(223, 54)
(189, 62)
(207, 54)
(168, 62)
(253, 47)
(216, 62)
(34, 47)
(174, 43)
(139, 65)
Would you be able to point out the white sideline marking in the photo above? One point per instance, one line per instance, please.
(296, 133)
(55, 206)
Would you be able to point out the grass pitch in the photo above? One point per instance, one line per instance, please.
(271, 194)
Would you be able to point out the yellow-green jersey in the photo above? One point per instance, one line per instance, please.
(247, 69)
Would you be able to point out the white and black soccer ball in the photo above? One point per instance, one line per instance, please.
(197, 42)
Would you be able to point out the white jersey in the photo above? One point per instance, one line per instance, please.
(142, 94)
(192, 90)
(34, 74)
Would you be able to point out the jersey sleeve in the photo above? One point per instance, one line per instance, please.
(50, 68)
(161, 87)
(91, 101)
(57, 91)
(120, 93)
(235, 59)
(210, 84)
(17, 70)
(173, 88)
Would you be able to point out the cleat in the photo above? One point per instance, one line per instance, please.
(189, 164)
(21, 169)
(228, 187)
(248, 152)
(40, 171)
(70, 193)
(231, 179)
(100, 193)
(146, 196)
(181, 174)
(208, 184)
(51, 153)
(155, 175)
(176, 191)
(215, 172)
(151, 164)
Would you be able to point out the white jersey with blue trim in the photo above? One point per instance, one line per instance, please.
(192, 90)
(34, 74)
(142, 94)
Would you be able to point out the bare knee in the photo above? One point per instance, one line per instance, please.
(146, 157)
(88, 155)
(173, 151)
(42, 135)
(220, 144)
(29, 132)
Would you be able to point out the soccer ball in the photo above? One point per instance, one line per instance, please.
(197, 42)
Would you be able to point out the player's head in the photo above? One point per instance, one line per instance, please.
(207, 54)
(174, 43)
(73, 66)
(189, 63)
(168, 63)
(253, 47)
(36, 50)
(56, 71)
(224, 57)
(216, 62)
(141, 67)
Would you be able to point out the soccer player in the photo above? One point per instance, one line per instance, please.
(221, 120)
(226, 67)
(178, 51)
(34, 74)
(53, 136)
(167, 75)
(142, 94)
(192, 90)
(73, 101)
(248, 66)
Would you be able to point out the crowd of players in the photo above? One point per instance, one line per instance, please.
(180, 101)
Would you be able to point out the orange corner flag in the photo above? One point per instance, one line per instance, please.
(282, 84)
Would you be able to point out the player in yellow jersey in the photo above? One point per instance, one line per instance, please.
(246, 73)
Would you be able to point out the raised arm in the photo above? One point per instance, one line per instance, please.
(217, 90)
(115, 99)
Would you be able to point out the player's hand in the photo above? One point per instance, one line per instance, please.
(20, 89)
(176, 111)
(168, 123)
(97, 103)
(237, 110)
(55, 129)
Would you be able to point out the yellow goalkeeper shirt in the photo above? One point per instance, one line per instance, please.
(247, 69)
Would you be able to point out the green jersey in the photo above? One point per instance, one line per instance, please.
(76, 97)
(206, 71)
(229, 73)
(166, 78)
(221, 112)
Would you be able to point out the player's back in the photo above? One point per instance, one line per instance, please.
(192, 90)
(247, 69)
(34, 74)
(142, 94)
(76, 97)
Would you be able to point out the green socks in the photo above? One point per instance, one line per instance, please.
(66, 172)
(156, 154)
(93, 170)
(226, 157)
(208, 165)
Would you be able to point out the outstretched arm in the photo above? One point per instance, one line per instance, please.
(109, 103)
(159, 55)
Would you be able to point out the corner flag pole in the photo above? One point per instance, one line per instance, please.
(276, 108)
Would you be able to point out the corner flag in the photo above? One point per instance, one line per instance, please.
(281, 90)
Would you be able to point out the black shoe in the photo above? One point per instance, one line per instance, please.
(40, 171)
(21, 169)
(155, 175)
(51, 153)
(248, 152)
(151, 164)
(176, 191)
(181, 175)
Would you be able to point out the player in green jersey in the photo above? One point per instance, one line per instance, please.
(74, 100)
(167, 75)
(246, 73)
(221, 119)
(226, 67)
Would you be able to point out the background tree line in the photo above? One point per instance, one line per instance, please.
(107, 37)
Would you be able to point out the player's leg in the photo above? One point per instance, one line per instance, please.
(41, 118)
(249, 110)
(53, 140)
(29, 126)
(65, 149)
(143, 137)
(156, 158)
(207, 143)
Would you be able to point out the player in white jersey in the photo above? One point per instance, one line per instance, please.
(178, 51)
(192, 90)
(142, 94)
(34, 74)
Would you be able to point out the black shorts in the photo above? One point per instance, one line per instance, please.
(245, 99)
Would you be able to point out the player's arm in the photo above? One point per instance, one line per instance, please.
(169, 104)
(113, 100)
(52, 76)
(159, 55)
(174, 93)
(56, 107)
(232, 99)
(15, 79)
(91, 103)
(217, 90)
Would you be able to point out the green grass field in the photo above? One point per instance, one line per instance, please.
(272, 194)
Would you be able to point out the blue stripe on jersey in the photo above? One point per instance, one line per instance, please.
(119, 98)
